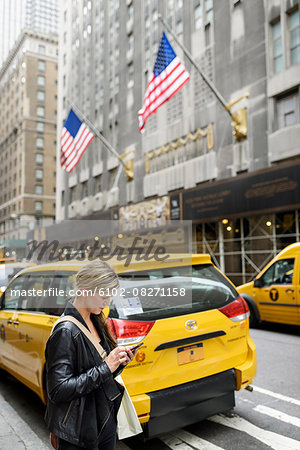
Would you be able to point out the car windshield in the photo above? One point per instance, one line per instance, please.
(168, 292)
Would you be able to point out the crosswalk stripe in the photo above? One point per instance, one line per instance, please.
(292, 420)
(295, 401)
(274, 440)
(195, 441)
(174, 443)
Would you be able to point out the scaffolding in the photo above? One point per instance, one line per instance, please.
(242, 247)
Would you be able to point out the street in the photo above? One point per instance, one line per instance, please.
(268, 417)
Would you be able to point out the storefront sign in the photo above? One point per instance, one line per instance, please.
(261, 192)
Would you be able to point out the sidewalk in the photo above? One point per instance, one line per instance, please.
(15, 434)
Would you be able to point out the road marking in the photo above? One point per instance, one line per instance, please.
(194, 440)
(295, 401)
(174, 443)
(246, 400)
(274, 440)
(292, 420)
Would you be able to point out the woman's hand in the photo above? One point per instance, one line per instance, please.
(117, 356)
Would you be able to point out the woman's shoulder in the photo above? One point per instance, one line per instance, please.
(66, 328)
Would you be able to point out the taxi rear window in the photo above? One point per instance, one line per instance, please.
(169, 292)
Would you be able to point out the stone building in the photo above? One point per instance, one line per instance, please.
(242, 196)
(28, 114)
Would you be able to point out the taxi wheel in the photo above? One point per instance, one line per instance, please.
(253, 321)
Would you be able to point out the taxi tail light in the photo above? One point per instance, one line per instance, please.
(236, 310)
(129, 331)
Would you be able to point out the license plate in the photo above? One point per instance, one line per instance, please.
(190, 354)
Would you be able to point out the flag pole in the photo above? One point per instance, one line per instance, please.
(128, 170)
(192, 61)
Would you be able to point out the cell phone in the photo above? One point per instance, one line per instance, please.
(136, 346)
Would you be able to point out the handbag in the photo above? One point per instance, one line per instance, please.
(128, 423)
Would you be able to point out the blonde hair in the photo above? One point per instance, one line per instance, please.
(94, 276)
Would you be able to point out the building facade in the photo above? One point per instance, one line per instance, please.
(28, 114)
(242, 195)
(15, 15)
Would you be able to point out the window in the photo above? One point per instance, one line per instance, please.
(39, 142)
(41, 81)
(84, 191)
(209, 10)
(97, 184)
(198, 16)
(131, 42)
(205, 289)
(40, 111)
(39, 159)
(38, 189)
(38, 207)
(73, 194)
(40, 126)
(130, 76)
(39, 174)
(11, 294)
(130, 11)
(294, 26)
(42, 66)
(281, 272)
(42, 49)
(40, 96)
(179, 28)
(288, 110)
(112, 177)
(277, 47)
(207, 32)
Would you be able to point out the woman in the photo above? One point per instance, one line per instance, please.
(83, 397)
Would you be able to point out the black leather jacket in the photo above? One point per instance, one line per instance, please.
(79, 384)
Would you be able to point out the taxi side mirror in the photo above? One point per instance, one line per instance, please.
(258, 283)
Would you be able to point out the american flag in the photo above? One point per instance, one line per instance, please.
(168, 76)
(75, 138)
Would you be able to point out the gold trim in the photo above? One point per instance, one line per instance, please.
(191, 137)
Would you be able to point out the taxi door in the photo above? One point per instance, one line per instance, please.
(9, 325)
(277, 298)
(33, 328)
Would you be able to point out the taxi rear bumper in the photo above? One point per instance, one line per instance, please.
(182, 405)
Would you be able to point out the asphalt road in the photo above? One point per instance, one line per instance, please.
(268, 417)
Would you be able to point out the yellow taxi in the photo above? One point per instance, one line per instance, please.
(193, 324)
(274, 295)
